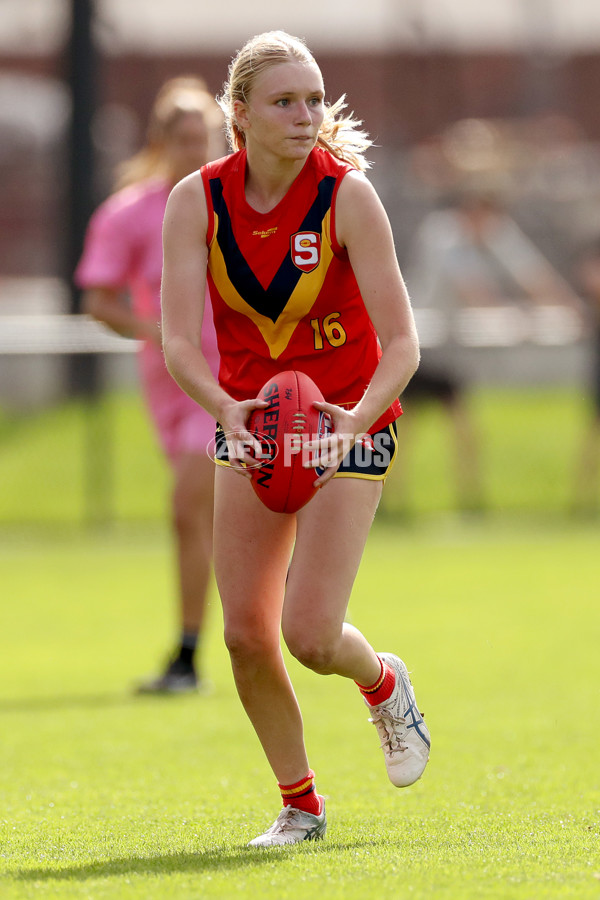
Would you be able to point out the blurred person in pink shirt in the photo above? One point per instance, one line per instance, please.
(120, 272)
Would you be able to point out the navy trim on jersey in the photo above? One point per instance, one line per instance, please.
(269, 302)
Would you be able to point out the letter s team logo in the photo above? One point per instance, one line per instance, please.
(306, 250)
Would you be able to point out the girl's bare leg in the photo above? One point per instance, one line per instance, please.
(252, 548)
(331, 535)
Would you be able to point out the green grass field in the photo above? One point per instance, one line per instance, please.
(108, 795)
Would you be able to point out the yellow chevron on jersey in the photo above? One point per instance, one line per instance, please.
(283, 291)
(276, 334)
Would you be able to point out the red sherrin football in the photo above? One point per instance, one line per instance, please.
(282, 482)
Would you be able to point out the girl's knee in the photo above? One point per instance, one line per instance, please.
(246, 647)
(313, 648)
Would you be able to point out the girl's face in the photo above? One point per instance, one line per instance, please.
(284, 110)
(186, 144)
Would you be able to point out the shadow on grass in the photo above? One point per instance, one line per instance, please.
(217, 859)
(51, 703)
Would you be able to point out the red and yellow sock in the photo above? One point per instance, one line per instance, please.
(381, 689)
(302, 795)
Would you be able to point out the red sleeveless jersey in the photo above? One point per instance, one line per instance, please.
(283, 292)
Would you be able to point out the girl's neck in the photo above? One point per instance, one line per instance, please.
(268, 181)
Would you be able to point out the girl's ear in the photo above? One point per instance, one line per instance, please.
(240, 114)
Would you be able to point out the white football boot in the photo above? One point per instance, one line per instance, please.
(404, 736)
(292, 826)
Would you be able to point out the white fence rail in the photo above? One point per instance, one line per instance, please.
(499, 326)
(58, 334)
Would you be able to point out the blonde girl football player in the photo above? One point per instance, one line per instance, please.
(303, 275)
(120, 271)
